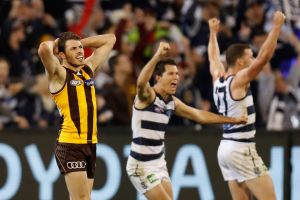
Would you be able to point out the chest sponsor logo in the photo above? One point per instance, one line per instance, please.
(89, 82)
(75, 82)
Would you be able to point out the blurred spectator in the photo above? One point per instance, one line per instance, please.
(127, 32)
(105, 115)
(8, 115)
(285, 106)
(46, 113)
(266, 87)
(119, 94)
(294, 76)
(25, 101)
(12, 48)
(149, 32)
(58, 12)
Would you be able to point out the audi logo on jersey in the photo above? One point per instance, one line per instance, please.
(76, 165)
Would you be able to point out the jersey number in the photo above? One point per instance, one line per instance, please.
(222, 92)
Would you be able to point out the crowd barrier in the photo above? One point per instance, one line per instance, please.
(28, 168)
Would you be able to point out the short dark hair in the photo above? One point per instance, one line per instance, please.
(160, 66)
(112, 62)
(64, 37)
(234, 52)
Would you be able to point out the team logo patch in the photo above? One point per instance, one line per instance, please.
(158, 109)
(152, 178)
(75, 82)
(89, 82)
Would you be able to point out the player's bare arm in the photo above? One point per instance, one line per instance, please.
(103, 45)
(215, 65)
(55, 72)
(265, 54)
(145, 92)
(204, 117)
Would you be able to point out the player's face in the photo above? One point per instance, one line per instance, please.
(169, 79)
(74, 53)
(248, 57)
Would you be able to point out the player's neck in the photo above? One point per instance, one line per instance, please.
(161, 92)
(67, 65)
(232, 71)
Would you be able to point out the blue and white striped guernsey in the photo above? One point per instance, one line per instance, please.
(149, 126)
(228, 106)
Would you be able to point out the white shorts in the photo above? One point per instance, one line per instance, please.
(145, 177)
(239, 161)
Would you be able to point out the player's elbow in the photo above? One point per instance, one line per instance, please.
(140, 85)
(112, 38)
(43, 49)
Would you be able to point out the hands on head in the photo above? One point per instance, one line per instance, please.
(56, 51)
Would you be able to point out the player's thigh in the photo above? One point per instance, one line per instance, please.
(168, 187)
(78, 185)
(238, 191)
(262, 187)
(90, 184)
(157, 193)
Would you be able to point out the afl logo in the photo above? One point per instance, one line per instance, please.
(76, 82)
(76, 165)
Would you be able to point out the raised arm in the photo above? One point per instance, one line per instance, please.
(49, 59)
(144, 91)
(215, 65)
(265, 53)
(103, 45)
(204, 117)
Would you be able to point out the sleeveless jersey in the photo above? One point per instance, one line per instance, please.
(76, 102)
(149, 126)
(228, 106)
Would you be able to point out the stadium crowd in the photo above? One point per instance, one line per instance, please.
(139, 26)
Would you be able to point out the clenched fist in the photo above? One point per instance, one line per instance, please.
(278, 18)
(162, 50)
(214, 25)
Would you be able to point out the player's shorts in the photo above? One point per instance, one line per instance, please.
(144, 178)
(239, 161)
(76, 157)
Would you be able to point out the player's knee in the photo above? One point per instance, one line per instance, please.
(82, 196)
(240, 196)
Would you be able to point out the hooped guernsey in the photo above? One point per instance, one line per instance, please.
(76, 102)
(149, 126)
(228, 106)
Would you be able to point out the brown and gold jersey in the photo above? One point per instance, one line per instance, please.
(76, 102)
